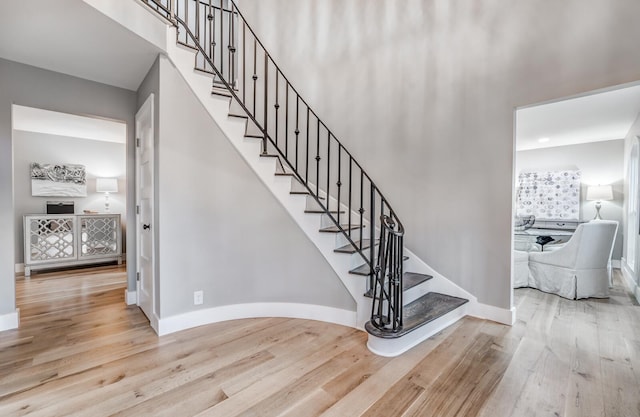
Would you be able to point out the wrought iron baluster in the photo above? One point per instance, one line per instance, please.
(255, 73)
(266, 108)
(318, 161)
(286, 123)
(306, 168)
(339, 183)
(372, 223)
(221, 39)
(297, 132)
(232, 47)
(329, 171)
(244, 62)
(277, 106)
(350, 192)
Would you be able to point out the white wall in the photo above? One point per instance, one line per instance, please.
(101, 159)
(599, 162)
(423, 93)
(35, 87)
(220, 229)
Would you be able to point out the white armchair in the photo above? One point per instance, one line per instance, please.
(579, 269)
(521, 269)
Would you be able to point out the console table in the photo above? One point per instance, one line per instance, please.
(59, 240)
(560, 230)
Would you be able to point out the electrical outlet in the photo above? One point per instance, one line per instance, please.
(198, 297)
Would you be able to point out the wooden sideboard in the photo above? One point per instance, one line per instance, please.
(60, 240)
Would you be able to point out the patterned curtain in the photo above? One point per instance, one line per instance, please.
(549, 194)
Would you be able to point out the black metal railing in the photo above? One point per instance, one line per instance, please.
(228, 48)
(386, 310)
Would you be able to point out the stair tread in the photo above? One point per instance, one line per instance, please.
(318, 211)
(349, 248)
(222, 91)
(203, 71)
(424, 310)
(409, 280)
(364, 269)
(335, 229)
(412, 279)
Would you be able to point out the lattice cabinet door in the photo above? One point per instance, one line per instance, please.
(50, 239)
(99, 236)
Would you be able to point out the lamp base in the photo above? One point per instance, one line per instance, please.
(598, 205)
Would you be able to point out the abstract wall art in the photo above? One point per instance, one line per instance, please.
(549, 194)
(58, 180)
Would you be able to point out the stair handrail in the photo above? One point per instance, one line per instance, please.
(388, 222)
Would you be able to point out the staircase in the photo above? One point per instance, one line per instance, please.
(330, 195)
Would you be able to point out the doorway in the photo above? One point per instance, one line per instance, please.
(586, 136)
(69, 177)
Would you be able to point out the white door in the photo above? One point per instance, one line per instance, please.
(144, 200)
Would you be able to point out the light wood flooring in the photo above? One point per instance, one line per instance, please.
(81, 352)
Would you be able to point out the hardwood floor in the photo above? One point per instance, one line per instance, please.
(80, 351)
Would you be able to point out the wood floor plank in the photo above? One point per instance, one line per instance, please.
(81, 351)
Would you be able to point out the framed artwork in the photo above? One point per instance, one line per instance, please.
(58, 180)
(549, 194)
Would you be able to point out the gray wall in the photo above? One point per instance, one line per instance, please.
(101, 159)
(599, 162)
(34, 87)
(430, 88)
(220, 229)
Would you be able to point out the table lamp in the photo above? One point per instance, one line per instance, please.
(106, 186)
(599, 193)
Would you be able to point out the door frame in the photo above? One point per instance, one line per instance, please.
(146, 110)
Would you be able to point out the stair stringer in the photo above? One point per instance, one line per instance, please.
(280, 186)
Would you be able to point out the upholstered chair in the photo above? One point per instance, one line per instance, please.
(580, 268)
(520, 269)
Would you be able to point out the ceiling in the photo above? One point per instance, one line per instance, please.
(71, 37)
(591, 118)
(70, 125)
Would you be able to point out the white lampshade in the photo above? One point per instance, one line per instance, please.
(600, 192)
(107, 185)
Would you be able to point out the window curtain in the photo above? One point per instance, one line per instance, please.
(549, 194)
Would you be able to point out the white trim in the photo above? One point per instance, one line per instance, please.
(10, 320)
(130, 297)
(616, 263)
(493, 313)
(243, 311)
(19, 269)
(627, 278)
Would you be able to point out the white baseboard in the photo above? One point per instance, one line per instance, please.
(19, 268)
(243, 311)
(10, 320)
(616, 263)
(130, 297)
(497, 314)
